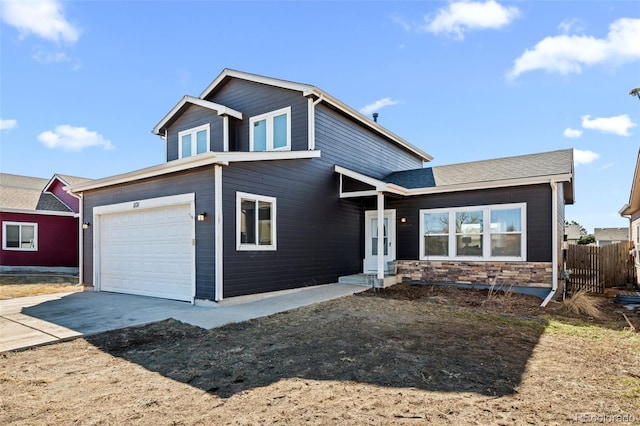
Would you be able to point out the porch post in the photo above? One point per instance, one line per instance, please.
(380, 235)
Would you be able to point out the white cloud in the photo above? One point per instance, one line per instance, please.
(377, 105)
(44, 18)
(581, 157)
(618, 125)
(7, 124)
(573, 25)
(566, 54)
(463, 16)
(71, 138)
(572, 133)
(407, 26)
(45, 57)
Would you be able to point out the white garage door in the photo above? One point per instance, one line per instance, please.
(148, 252)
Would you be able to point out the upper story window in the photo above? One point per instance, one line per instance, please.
(193, 141)
(255, 222)
(271, 131)
(20, 236)
(474, 233)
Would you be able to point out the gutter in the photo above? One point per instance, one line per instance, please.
(554, 243)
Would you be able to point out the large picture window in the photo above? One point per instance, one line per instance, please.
(20, 236)
(255, 222)
(474, 233)
(271, 131)
(193, 141)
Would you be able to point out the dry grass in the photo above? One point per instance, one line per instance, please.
(9, 291)
(581, 303)
(23, 285)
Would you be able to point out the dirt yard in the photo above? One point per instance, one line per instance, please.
(408, 355)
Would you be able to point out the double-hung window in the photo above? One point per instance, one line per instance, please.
(193, 141)
(20, 236)
(271, 131)
(255, 222)
(474, 233)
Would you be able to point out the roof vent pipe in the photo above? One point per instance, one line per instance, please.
(375, 117)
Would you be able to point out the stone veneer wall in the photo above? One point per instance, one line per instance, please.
(528, 274)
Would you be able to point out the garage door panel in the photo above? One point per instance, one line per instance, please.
(148, 252)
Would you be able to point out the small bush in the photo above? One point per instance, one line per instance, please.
(581, 303)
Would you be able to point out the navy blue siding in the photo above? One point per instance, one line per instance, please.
(195, 116)
(318, 235)
(346, 144)
(255, 99)
(199, 181)
(539, 216)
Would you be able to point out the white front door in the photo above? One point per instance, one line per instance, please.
(371, 240)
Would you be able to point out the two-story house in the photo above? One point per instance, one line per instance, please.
(270, 184)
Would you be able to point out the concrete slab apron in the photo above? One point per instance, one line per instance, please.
(37, 320)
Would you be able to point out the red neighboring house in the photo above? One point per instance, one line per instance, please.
(40, 222)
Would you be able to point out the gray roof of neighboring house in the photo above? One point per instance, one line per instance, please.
(25, 193)
(611, 234)
(508, 168)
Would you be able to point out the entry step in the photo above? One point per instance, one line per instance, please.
(370, 280)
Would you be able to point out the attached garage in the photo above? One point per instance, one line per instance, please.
(146, 247)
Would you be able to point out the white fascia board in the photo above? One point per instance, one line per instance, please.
(377, 184)
(489, 185)
(399, 190)
(206, 159)
(161, 169)
(237, 157)
(256, 79)
(220, 109)
(39, 212)
(368, 122)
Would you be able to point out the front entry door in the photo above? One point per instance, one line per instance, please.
(371, 240)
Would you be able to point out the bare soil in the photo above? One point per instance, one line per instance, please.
(405, 355)
(33, 284)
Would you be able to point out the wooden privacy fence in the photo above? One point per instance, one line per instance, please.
(595, 268)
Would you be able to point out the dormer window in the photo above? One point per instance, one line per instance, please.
(193, 141)
(271, 131)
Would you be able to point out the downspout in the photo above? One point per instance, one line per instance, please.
(312, 121)
(554, 243)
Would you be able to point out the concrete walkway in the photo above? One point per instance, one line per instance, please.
(37, 320)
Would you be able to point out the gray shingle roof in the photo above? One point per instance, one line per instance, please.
(25, 193)
(508, 168)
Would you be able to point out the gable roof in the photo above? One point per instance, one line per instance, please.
(26, 193)
(501, 172)
(311, 92)
(633, 206)
(180, 106)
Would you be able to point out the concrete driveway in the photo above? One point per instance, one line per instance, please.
(37, 320)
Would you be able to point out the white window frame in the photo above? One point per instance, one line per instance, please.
(486, 233)
(20, 224)
(194, 141)
(269, 119)
(255, 246)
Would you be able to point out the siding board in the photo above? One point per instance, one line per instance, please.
(199, 181)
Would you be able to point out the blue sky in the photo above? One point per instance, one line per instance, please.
(82, 83)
